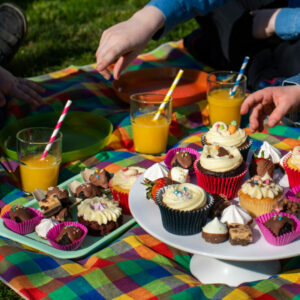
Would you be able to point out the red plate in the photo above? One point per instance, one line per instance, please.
(191, 87)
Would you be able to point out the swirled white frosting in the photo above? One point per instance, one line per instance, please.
(185, 197)
(179, 174)
(99, 209)
(258, 188)
(268, 151)
(156, 171)
(126, 177)
(295, 158)
(235, 214)
(44, 226)
(210, 159)
(221, 135)
(215, 227)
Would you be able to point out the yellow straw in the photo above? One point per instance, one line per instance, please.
(167, 98)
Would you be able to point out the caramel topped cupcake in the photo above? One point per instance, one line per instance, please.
(258, 196)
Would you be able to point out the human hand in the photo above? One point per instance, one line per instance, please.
(19, 88)
(264, 22)
(273, 101)
(122, 42)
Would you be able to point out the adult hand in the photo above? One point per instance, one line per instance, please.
(19, 88)
(273, 101)
(122, 42)
(264, 22)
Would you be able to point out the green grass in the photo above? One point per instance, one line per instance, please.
(67, 32)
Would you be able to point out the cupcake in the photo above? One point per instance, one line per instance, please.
(183, 207)
(67, 236)
(45, 225)
(100, 215)
(121, 183)
(258, 196)
(279, 228)
(229, 136)
(215, 232)
(291, 165)
(181, 157)
(22, 219)
(220, 170)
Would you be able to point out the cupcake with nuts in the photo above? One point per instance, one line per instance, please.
(228, 136)
(220, 170)
(258, 196)
(184, 208)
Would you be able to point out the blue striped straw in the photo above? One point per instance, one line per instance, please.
(239, 77)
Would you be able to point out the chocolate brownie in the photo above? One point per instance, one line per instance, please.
(61, 194)
(63, 216)
(20, 213)
(50, 206)
(240, 234)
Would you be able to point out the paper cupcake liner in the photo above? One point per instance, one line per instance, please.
(171, 153)
(293, 175)
(244, 150)
(54, 232)
(121, 197)
(183, 222)
(277, 240)
(227, 186)
(256, 207)
(26, 226)
(292, 192)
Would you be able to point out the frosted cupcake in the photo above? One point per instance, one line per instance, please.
(183, 207)
(229, 136)
(258, 196)
(291, 165)
(220, 170)
(121, 183)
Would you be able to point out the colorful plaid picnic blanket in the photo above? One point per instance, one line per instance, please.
(136, 265)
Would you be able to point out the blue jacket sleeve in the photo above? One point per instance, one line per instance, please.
(179, 11)
(287, 24)
(292, 80)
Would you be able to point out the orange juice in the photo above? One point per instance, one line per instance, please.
(37, 173)
(223, 108)
(150, 136)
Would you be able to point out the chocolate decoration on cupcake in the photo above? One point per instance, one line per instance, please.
(100, 178)
(87, 190)
(182, 159)
(61, 194)
(68, 235)
(279, 224)
(261, 167)
(20, 213)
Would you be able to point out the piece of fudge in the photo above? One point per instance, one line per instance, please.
(240, 234)
(50, 206)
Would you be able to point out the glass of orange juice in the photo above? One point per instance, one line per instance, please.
(222, 107)
(34, 172)
(150, 136)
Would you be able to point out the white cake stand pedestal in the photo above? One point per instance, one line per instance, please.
(211, 270)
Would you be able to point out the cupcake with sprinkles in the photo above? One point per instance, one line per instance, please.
(184, 208)
(229, 136)
(291, 165)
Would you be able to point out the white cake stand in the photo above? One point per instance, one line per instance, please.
(213, 263)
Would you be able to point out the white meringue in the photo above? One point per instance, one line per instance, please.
(270, 152)
(156, 171)
(235, 214)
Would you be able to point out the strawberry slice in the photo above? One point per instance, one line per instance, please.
(153, 186)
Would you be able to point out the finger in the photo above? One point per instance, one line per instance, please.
(105, 73)
(31, 93)
(251, 101)
(2, 99)
(277, 114)
(33, 85)
(21, 95)
(254, 117)
(122, 63)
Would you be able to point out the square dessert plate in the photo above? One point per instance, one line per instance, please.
(90, 243)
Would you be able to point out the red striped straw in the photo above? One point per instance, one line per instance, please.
(56, 129)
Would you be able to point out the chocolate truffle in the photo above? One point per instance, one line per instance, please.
(279, 224)
(87, 190)
(100, 178)
(20, 213)
(68, 235)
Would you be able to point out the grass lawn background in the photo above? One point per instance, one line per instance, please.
(67, 32)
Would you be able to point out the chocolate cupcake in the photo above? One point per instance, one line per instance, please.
(100, 215)
(229, 136)
(220, 170)
(184, 208)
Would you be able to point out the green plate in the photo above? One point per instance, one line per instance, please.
(90, 244)
(84, 133)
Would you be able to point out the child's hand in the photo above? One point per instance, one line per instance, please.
(122, 42)
(20, 88)
(273, 101)
(264, 22)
